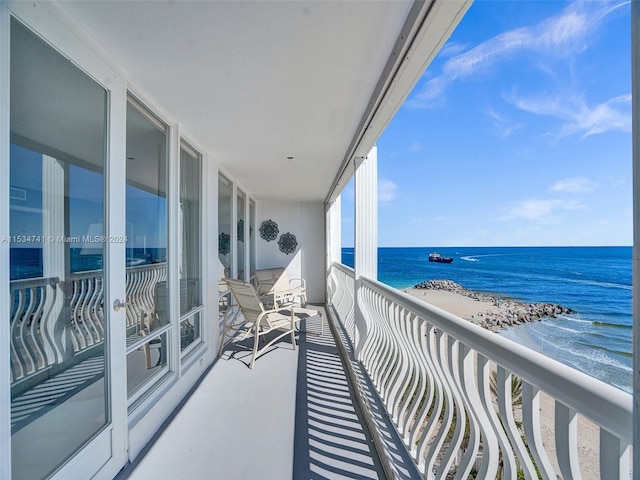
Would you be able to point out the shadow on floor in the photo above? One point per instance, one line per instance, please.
(330, 440)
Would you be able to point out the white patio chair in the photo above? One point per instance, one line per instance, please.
(253, 319)
(275, 288)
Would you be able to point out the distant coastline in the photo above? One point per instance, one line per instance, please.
(492, 312)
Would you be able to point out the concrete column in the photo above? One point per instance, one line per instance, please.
(56, 253)
(366, 235)
(635, 89)
(333, 239)
(53, 217)
(334, 231)
(366, 215)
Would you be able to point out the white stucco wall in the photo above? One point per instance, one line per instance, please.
(306, 221)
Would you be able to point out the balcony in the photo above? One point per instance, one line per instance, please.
(422, 387)
(434, 372)
(294, 415)
(392, 389)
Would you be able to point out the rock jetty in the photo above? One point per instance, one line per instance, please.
(505, 312)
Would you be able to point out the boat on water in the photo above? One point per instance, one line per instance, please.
(436, 257)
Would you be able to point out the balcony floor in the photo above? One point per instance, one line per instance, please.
(292, 416)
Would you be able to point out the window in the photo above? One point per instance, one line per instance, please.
(241, 241)
(148, 322)
(190, 224)
(225, 251)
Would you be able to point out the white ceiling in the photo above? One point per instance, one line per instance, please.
(254, 82)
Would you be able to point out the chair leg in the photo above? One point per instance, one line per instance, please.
(256, 340)
(147, 355)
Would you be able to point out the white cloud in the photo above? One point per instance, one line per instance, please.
(540, 210)
(503, 126)
(573, 185)
(386, 190)
(452, 48)
(560, 35)
(579, 118)
(415, 147)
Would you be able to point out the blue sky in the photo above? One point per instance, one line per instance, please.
(518, 133)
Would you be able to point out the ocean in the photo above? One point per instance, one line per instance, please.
(595, 282)
(28, 262)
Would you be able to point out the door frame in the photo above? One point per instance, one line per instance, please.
(105, 453)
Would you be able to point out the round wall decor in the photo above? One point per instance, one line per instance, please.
(241, 230)
(269, 230)
(224, 243)
(288, 243)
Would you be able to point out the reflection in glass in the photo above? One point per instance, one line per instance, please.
(190, 252)
(57, 321)
(240, 235)
(144, 362)
(225, 251)
(146, 217)
(189, 330)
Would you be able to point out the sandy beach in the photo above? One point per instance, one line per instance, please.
(588, 433)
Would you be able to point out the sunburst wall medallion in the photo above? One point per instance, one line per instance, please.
(288, 243)
(269, 230)
(241, 230)
(224, 243)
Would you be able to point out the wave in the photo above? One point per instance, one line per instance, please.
(613, 325)
(559, 327)
(595, 283)
(474, 258)
(575, 320)
(608, 350)
(592, 354)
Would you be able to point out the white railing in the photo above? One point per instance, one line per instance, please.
(341, 292)
(140, 287)
(434, 372)
(32, 347)
(45, 330)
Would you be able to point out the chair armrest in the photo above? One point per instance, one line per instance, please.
(265, 313)
(301, 281)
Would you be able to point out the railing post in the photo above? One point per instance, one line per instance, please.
(366, 236)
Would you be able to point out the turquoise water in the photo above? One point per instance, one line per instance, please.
(593, 281)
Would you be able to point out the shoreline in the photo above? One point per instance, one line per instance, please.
(495, 313)
(492, 312)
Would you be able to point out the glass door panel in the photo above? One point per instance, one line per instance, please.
(190, 263)
(148, 321)
(240, 235)
(225, 250)
(252, 237)
(58, 349)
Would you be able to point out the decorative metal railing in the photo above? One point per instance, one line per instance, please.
(434, 373)
(47, 330)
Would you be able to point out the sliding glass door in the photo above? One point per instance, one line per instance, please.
(58, 313)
